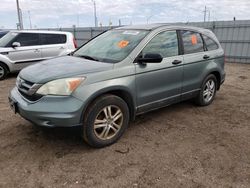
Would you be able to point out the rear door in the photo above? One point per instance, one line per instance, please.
(159, 84)
(28, 52)
(53, 45)
(195, 62)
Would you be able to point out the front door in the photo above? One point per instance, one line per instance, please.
(159, 84)
(28, 52)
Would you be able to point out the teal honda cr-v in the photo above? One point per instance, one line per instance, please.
(118, 75)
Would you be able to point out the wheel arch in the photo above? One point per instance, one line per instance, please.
(117, 91)
(218, 77)
(6, 65)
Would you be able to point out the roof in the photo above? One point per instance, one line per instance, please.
(143, 27)
(40, 31)
(159, 25)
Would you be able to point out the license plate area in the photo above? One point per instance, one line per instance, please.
(13, 105)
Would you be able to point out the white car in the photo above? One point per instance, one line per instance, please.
(19, 49)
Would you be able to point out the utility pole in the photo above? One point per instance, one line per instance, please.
(149, 17)
(19, 14)
(30, 20)
(205, 13)
(77, 18)
(95, 13)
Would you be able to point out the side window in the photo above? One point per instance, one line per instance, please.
(47, 39)
(27, 39)
(165, 44)
(210, 43)
(192, 42)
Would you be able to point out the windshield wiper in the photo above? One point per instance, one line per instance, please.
(88, 57)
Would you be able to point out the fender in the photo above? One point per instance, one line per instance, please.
(213, 68)
(95, 90)
(5, 60)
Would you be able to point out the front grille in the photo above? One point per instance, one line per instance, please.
(33, 97)
(23, 85)
(28, 89)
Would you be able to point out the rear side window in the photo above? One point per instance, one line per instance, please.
(47, 39)
(27, 39)
(210, 43)
(192, 42)
(165, 44)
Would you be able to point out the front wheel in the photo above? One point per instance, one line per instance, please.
(208, 91)
(105, 121)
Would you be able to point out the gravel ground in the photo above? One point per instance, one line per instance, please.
(179, 146)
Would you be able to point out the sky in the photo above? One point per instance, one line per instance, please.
(66, 13)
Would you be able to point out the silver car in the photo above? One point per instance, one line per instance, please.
(19, 49)
(118, 75)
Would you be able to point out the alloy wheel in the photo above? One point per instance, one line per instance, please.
(108, 122)
(209, 90)
(2, 71)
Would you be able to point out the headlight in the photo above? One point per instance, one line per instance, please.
(60, 87)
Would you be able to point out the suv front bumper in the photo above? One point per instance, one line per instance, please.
(49, 111)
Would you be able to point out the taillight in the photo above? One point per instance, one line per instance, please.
(74, 41)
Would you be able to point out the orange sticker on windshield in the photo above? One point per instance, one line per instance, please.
(194, 39)
(123, 43)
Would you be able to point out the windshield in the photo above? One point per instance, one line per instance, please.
(6, 39)
(112, 46)
(2, 34)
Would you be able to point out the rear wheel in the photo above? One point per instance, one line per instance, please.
(208, 91)
(3, 71)
(105, 121)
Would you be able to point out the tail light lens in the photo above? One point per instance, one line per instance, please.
(74, 41)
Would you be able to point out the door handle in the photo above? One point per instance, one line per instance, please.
(206, 57)
(176, 62)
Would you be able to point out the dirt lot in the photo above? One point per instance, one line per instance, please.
(179, 146)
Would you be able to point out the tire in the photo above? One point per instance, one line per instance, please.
(3, 71)
(208, 91)
(105, 121)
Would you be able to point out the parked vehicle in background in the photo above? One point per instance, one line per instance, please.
(118, 75)
(19, 49)
(2, 33)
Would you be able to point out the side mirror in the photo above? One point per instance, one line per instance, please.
(150, 58)
(16, 44)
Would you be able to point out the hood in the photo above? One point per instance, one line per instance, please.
(4, 49)
(62, 67)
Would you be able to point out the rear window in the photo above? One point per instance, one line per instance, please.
(192, 42)
(47, 39)
(210, 43)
